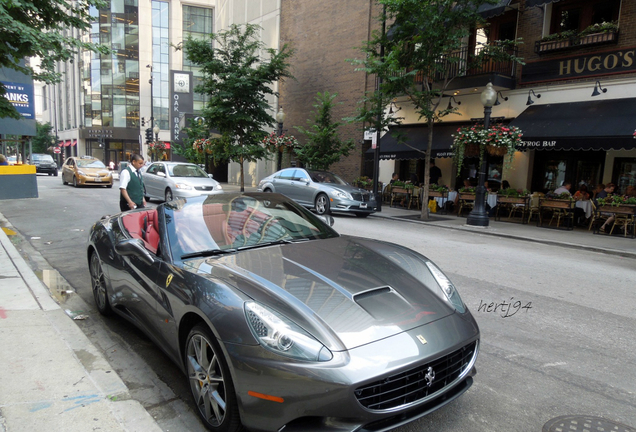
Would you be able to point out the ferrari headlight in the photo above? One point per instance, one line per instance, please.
(447, 287)
(341, 194)
(183, 186)
(279, 334)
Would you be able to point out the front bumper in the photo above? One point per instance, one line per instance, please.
(95, 180)
(46, 169)
(190, 193)
(324, 397)
(351, 206)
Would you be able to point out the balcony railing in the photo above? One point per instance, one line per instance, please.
(542, 47)
(458, 66)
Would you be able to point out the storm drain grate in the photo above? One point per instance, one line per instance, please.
(578, 423)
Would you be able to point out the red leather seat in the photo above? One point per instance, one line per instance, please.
(143, 225)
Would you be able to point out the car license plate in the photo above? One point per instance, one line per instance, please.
(98, 179)
(363, 205)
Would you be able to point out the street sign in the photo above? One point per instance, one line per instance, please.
(57, 150)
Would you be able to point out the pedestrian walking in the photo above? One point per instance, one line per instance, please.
(131, 185)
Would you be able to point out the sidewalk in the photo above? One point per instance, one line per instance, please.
(52, 377)
(578, 238)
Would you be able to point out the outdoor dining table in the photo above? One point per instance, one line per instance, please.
(586, 206)
(446, 196)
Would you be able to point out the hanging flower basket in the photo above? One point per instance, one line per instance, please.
(497, 140)
(496, 151)
(274, 142)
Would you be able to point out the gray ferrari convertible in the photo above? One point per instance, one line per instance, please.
(280, 323)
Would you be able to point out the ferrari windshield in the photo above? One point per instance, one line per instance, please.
(235, 222)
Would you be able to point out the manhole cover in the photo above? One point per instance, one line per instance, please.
(578, 423)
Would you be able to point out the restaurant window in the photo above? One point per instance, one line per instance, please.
(552, 168)
(576, 15)
(624, 173)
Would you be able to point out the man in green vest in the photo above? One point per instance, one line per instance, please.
(131, 185)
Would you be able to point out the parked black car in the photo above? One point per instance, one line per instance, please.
(44, 163)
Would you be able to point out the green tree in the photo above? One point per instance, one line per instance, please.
(196, 130)
(42, 141)
(239, 72)
(38, 28)
(415, 57)
(323, 147)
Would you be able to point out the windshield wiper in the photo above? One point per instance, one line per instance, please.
(273, 243)
(207, 253)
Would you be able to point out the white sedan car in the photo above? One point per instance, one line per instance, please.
(168, 180)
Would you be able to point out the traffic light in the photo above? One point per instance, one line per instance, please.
(143, 122)
(149, 135)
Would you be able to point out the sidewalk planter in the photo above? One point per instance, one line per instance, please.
(622, 209)
(437, 194)
(512, 200)
(467, 196)
(18, 181)
(557, 203)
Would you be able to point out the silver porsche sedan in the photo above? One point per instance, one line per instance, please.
(321, 190)
(278, 322)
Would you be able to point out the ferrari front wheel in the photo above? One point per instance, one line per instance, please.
(210, 382)
(98, 284)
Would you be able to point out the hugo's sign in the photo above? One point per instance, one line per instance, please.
(609, 62)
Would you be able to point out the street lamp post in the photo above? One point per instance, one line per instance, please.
(280, 118)
(478, 215)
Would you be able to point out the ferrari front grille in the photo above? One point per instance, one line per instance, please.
(418, 383)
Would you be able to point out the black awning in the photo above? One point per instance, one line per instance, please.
(593, 125)
(533, 3)
(392, 147)
(491, 10)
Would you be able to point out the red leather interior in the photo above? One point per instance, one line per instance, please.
(143, 225)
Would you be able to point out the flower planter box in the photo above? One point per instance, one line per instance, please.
(623, 209)
(595, 38)
(437, 194)
(552, 45)
(512, 200)
(401, 190)
(557, 203)
(496, 150)
(467, 196)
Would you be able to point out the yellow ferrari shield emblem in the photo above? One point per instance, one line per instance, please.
(168, 280)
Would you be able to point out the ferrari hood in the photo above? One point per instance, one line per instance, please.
(345, 289)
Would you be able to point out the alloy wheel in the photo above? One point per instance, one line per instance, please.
(169, 195)
(210, 382)
(99, 285)
(322, 204)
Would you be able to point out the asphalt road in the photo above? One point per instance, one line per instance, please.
(563, 342)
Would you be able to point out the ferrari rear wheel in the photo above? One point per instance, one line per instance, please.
(210, 382)
(99, 286)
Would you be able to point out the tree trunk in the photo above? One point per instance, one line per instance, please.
(427, 172)
(242, 176)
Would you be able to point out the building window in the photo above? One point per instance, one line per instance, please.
(160, 64)
(197, 24)
(576, 15)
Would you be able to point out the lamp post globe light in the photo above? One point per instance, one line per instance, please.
(478, 215)
(156, 129)
(280, 118)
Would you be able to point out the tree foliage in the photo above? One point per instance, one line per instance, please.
(418, 56)
(43, 141)
(239, 73)
(38, 28)
(323, 147)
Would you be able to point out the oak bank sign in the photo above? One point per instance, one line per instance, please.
(609, 62)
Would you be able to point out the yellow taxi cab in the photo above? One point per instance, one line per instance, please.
(86, 170)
